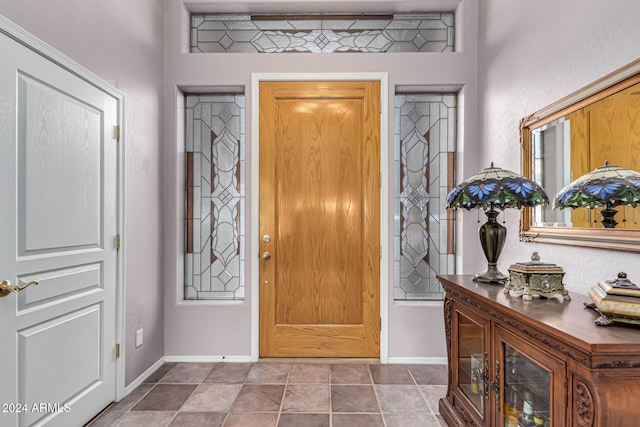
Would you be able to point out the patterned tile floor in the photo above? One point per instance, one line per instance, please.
(283, 394)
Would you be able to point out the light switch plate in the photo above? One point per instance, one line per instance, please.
(139, 337)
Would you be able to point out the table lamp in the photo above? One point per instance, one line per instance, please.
(490, 189)
(609, 186)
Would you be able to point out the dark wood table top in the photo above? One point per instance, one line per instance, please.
(568, 321)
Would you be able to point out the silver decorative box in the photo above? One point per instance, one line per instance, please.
(531, 278)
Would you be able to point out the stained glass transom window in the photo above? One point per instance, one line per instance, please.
(214, 199)
(424, 146)
(323, 33)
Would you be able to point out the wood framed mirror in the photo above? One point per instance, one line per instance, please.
(574, 136)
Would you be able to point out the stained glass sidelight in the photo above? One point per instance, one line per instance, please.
(214, 199)
(424, 146)
(323, 33)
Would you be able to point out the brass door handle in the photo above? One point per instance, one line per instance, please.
(266, 255)
(6, 287)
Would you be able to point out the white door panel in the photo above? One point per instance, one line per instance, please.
(59, 141)
(58, 222)
(58, 284)
(82, 358)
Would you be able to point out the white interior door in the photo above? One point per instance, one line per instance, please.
(58, 222)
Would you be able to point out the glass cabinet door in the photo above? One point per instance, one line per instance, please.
(532, 384)
(471, 355)
(527, 388)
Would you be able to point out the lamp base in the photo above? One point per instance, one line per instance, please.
(492, 237)
(608, 220)
(492, 275)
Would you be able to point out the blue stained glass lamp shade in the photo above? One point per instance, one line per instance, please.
(490, 189)
(608, 186)
(496, 188)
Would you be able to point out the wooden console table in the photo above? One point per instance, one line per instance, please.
(575, 373)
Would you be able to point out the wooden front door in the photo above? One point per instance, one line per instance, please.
(319, 219)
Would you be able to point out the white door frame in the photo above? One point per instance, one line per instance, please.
(43, 49)
(254, 261)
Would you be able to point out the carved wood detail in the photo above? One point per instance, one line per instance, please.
(585, 407)
(447, 324)
(468, 420)
(451, 415)
(448, 309)
(618, 364)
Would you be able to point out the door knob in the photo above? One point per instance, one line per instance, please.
(266, 255)
(6, 287)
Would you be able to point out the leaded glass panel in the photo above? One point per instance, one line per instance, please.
(424, 146)
(214, 199)
(322, 33)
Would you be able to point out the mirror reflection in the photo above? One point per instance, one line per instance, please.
(576, 143)
(573, 137)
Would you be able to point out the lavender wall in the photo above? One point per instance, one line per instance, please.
(121, 41)
(531, 55)
(524, 58)
(213, 329)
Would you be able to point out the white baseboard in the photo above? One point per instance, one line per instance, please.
(135, 383)
(419, 360)
(209, 359)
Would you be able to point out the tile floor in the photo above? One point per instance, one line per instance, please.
(283, 394)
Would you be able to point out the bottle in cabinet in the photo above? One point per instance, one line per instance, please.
(513, 404)
(512, 408)
(541, 409)
(541, 414)
(475, 387)
(525, 419)
(540, 420)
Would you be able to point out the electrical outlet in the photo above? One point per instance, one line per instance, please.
(139, 337)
